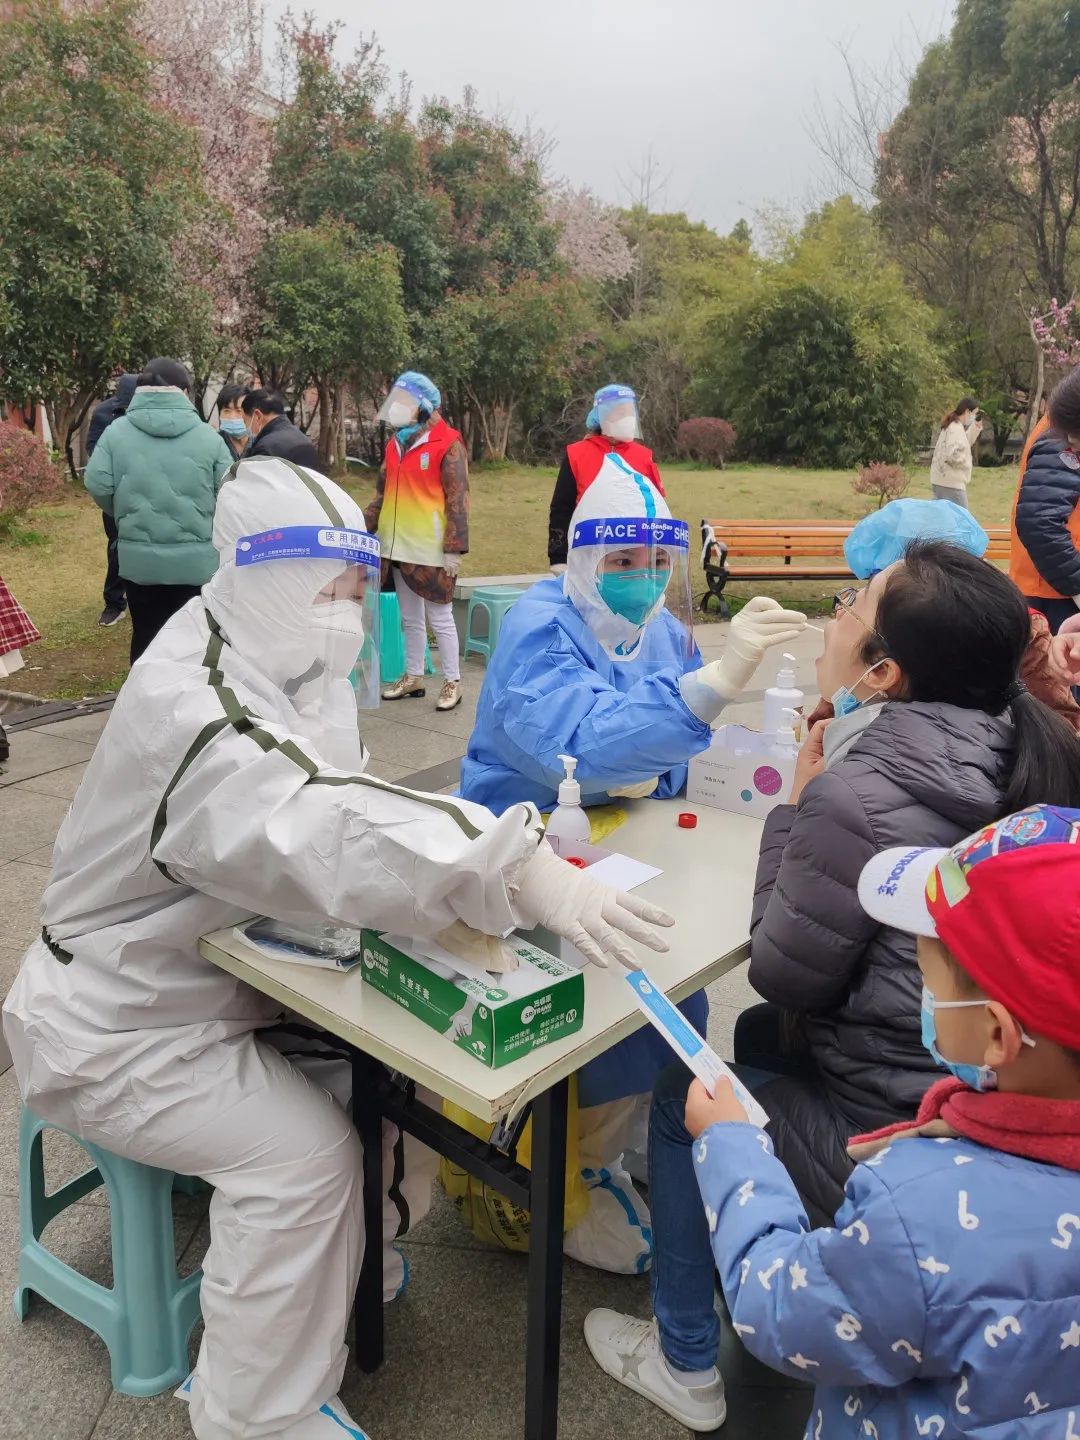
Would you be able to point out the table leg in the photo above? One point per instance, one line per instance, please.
(368, 1306)
(547, 1200)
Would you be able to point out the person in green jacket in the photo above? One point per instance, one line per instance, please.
(157, 471)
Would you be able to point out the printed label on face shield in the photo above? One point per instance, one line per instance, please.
(305, 542)
(673, 533)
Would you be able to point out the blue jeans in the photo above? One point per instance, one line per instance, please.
(682, 1268)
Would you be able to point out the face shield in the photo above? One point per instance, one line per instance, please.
(627, 573)
(332, 575)
(400, 408)
(413, 397)
(617, 413)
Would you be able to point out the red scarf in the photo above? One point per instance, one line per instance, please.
(1047, 1130)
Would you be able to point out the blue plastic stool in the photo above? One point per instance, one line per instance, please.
(392, 641)
(494, 602)
(147, 1316)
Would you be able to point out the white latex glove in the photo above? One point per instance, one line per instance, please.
(487, 952)
(759, 625)
(558, 569)
(594, 917)
(451, 563)
(636, 792)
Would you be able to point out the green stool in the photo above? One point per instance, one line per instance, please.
(392, 641)
(493, 602)
(147, 1316)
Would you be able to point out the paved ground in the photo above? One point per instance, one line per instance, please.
(442, 1378)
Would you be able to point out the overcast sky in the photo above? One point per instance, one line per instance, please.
(721, 90)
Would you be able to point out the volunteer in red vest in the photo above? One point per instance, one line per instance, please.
(1045, 557)
(613, 426)
(421, 515)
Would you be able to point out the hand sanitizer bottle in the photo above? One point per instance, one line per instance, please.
(780, 697)
(786, 745)
(568, 824)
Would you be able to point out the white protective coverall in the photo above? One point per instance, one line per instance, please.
(208, 799)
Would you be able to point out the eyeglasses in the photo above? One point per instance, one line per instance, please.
(845, 600)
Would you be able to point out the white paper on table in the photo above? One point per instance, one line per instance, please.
(699, 1057)
(623, 872)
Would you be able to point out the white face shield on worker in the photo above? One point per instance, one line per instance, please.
(617, 413)
(297, 595)
(413, 398)
(627, 563)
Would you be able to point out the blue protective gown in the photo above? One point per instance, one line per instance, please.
(550, 690)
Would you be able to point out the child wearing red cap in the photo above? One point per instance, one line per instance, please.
(946, 1300)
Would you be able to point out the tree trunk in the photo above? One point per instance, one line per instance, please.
(326, 423)
(338, 436)
(1039, 382)
(65, 414)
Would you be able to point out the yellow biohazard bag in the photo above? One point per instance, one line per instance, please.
(491, 1217)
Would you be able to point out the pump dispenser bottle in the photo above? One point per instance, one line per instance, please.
(568, 824)
(784, 695)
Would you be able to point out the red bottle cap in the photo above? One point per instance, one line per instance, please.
(687, 820)
(576, 860)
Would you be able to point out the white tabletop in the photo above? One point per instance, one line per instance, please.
(707, 885)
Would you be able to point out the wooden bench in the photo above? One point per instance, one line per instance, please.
(787, 550)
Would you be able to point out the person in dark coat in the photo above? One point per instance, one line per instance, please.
(113, 593)
(1045, 556)
(935, 737)
(273, 433)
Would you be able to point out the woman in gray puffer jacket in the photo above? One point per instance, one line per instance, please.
(935, 737)
(940, 635)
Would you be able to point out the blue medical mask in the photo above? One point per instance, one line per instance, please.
(406, 432)
(978, 1077)
(633, 593)
(845, 701)
(235, 428)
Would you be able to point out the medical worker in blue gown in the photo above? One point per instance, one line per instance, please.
(601, 664)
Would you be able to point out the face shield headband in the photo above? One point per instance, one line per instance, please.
(619, 604)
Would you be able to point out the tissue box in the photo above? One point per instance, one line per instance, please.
(738, 773)
(541, 1001)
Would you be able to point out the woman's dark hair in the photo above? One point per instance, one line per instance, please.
(267, 402)
(229, 396)
(958, 629)
(1064, 407)
(163, 371)
(965, 405)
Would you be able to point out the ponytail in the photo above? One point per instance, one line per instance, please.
(1046, 760)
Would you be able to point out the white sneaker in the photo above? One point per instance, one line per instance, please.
(629, 1351)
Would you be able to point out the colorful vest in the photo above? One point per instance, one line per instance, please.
(412, 521)
(586, 456)
(1022, 570)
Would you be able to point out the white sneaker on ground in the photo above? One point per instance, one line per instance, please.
(629, 1351)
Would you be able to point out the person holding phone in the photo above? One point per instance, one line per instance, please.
(950, 468)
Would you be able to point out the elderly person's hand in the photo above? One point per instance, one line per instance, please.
(811, 761)
(1064, 656)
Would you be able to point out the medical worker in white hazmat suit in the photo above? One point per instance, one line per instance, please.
(229, 781)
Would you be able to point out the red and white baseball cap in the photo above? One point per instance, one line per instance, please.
(1006, 903)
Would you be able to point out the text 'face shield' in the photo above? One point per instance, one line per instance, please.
(335, 575)
(628, 573)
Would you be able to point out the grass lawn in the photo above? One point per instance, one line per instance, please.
(59, 581)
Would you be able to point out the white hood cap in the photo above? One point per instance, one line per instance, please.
(264, 610)
(617, 493)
